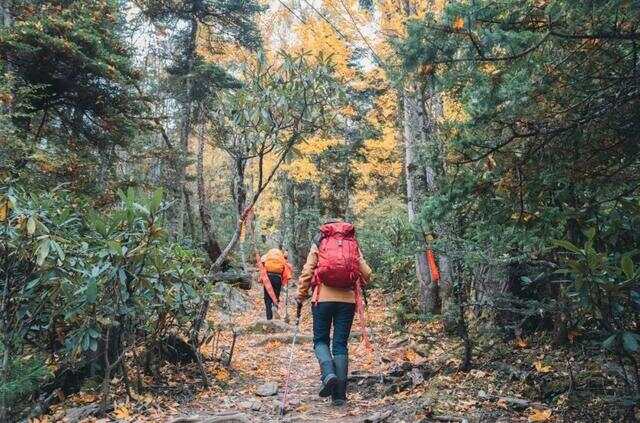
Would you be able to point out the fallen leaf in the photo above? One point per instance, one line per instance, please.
(222, 375)
(540, 415)
(542, 368)
(122, 412)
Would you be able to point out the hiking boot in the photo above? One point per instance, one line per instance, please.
(329, 378)
(341, 365)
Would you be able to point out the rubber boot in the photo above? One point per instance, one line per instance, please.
(327, 371)
(341, 365)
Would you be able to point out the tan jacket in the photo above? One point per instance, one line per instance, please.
(327, 293)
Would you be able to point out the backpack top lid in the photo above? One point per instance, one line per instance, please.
(275, 252)
(344, 229)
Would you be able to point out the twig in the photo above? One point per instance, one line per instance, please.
(233, 345)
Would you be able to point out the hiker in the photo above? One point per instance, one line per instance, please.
(335, 272)
(275, 272)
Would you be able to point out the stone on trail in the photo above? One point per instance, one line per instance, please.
(268, 389)
(268, 326)
(77, 414)
(230, 299)
(219, 418)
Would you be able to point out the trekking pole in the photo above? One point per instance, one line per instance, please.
(293, 343)
(286, 304)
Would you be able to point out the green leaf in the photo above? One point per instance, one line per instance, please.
(590, 233)
(567, 245)
(630, 341)
(627, 266)
(608, 343)
(42, 251)
(31, 225)
(156, 200)
(91, 292)
(142, 208)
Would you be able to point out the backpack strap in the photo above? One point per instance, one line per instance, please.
(318, 239)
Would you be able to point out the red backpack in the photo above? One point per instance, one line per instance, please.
(338, 256)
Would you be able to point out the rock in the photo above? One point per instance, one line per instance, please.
(218, 418)
(268, 326)
(268, 389)
(256, 406)
(288, 337)
(403, 340)
(416, 376)
(235, 277)
(77, 414)
(378, 417)
(230, 299)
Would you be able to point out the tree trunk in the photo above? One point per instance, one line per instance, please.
(412, 123)
(185, 131)
(431, 111)
(209, 239)
(289, 226)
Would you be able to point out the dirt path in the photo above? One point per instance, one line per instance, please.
(420, 365)
(259, 359)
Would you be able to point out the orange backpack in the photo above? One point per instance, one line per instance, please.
(274, 261)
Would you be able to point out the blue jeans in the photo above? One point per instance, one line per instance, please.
(324, 315)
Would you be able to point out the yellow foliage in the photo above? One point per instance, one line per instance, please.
(302, 170)
(317, 145)
(452, 110)
(458, 23)
(317, 37)
(4, 209)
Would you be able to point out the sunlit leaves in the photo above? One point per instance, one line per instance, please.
(540, 415)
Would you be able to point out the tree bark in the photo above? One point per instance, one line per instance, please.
(209, 239)
(289, 225)
(412, 131)
(431, 111)
(185, 131)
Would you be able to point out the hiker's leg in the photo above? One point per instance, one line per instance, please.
(268, 303)
(276, 284)
(342, 322)
(322, 318)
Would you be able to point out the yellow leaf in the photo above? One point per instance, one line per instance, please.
(521, 343)
(222, 375)
(502, 403)
(540, 415)
(458, 23)
(86, 398)
(122, 412)
(541, 367)
(4, 210)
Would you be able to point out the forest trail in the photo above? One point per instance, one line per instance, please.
(261, 357)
